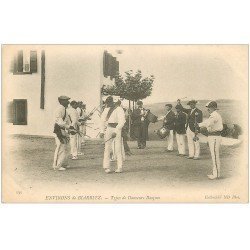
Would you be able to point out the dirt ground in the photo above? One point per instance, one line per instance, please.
(31, 158)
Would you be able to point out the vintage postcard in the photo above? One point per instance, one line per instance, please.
(125, 123)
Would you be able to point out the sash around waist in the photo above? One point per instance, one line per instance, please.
(215, 133)
(112, 125)
(57, 126)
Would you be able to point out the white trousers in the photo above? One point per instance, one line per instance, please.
(108, 148)
(170, 140)
(82, 129)
(214, 146)
(114, 153)
(60, 155)
(73, 145)
(180, 138)
(79, 143)
(193, 147)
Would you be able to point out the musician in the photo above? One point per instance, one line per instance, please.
(125, 147)
(169, 123)
(74, 124)
(214, 127)
(81, 110)
(180, 124)
(140, 124)
(194, 116)
(112, 119)
(62, 123)
(125, 131)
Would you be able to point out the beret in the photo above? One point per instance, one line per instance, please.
(63, 97)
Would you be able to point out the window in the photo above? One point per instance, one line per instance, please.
(25, 62)
(19, 112)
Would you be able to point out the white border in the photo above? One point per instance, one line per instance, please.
(179, 226)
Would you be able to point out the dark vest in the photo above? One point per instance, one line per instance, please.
(169, 120)
(180, 123)
(192, 118)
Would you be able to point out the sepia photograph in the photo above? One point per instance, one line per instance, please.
(125, 123)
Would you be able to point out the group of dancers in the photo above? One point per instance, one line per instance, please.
(70, 127)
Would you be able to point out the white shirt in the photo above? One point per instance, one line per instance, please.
(59, 115)
(213, 123)
(74, 117)
(192, 110)
(79, 111)
(161, 118)
(117, 116)
(142, 113)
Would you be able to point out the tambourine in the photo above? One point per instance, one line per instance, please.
(151, 117)
(196, 138)
(204, 131)
(72, 130)
(163, 132)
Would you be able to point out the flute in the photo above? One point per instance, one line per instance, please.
(89, 115)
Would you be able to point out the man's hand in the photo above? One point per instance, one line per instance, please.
(113, 135)
(101, 135)
(65, 126)
(161, 118)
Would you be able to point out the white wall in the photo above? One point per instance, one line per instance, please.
(69, 70)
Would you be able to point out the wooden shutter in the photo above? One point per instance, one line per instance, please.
(113, 68)
(20, 61)
(10, 112)
(42, 97)
(109, 64)
(116, 68)
(33, 61)
(105, 64)
(20, 112)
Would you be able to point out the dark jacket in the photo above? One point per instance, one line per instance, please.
(191, 118)
(125, 128)
(169, 120)
(136, 117)
(139, 128)
(180, 123)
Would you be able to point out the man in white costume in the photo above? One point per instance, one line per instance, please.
(113, 153)
(74, 124)
(112, 121)
(214, 127)
(62, 123)
(81, 110)
(194, 116)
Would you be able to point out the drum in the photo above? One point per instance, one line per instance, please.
(231, 131)
(204, 131)
(163, 132)
(72, 130)
(151, 117)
